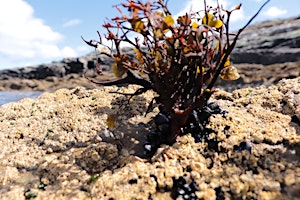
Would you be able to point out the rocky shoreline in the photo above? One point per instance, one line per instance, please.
(251, 75)
(60, 146)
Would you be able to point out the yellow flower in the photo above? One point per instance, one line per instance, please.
(209, 20)
(186, 50)
(195, 25)
(111, 121)
(158, 58)
(230, 73)
(118, 70)
(169, 20)
(138, 25)
(198, 70)
(227, 63)
(159, 13)
(138, 55)
(158, 34)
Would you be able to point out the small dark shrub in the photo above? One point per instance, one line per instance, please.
(182, 58)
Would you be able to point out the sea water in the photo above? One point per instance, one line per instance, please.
(9, 96)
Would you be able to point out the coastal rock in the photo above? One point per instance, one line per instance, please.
(269, 42)
(55, 69)
(66, 145)
(252, 75)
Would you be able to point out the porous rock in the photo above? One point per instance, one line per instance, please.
(61, 146)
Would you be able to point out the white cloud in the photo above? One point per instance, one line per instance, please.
(25, 38)
(83, 48)
(237, 17)
(68, 52)
(72, 22)
(275, 12)
(196, 5)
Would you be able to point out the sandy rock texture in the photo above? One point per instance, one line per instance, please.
(88, 144)
(53, 83)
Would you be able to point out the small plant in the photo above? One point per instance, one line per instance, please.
(30, 195)
(49, 131)
(182, 58)
(94, 177)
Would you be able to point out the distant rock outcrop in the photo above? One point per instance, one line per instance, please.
(269, 42)
(57, 69)
(61, 69)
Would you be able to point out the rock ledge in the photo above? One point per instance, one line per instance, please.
(59, 146)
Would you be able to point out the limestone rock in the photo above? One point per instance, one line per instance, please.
(59, 146)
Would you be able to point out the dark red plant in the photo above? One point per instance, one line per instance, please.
(182, 57)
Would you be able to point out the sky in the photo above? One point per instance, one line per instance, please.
(34, 32)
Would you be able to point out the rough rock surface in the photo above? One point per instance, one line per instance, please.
(53, 83)
(87, 144)
(258, 74)
(269, 42)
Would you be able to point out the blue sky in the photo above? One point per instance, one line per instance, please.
(41, 31)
